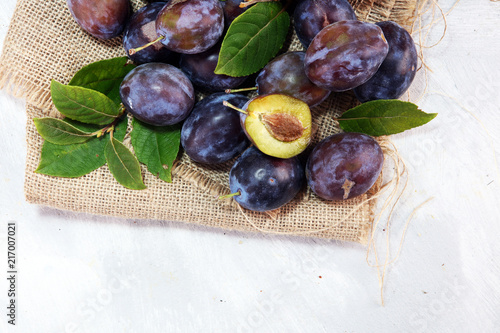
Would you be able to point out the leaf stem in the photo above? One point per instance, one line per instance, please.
(122, 109)
(108, 129)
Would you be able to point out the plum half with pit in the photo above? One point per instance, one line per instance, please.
(278, 125)
(212, 132)
(158, 94)
(344, 165)
(261, 183)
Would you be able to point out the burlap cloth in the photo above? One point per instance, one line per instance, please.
(44, 43)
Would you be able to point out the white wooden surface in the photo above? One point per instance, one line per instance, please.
(83, 273)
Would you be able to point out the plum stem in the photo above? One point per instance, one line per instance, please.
(229, 195)
(347, 186)
(226, 103)
(140, 48)
(230, 91)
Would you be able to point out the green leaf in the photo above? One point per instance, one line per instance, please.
(253, 39)
(384, 117)
(123, 165)
(60, 132)
(156, 146)
(77, 159)
(104, 76)
(83, 104)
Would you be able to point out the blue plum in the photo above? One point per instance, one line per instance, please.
(212, 132)
(397, 72)
(103, 19)
(311, 16)
(285, 74)
(200, 69)
(343, 166)
(190, 26)
(232, 10)
(157, 93)
(345, 55)
(140, 31)
(263, 182)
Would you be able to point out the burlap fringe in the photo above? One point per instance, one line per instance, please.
(18, 86)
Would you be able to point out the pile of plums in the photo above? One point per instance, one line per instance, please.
(183, 39)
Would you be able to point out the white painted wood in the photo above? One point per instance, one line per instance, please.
(83, 273)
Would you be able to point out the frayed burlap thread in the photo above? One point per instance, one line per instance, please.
(44, 43)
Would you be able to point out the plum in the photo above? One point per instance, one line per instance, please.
(279, 125)
(103, 19)
(190, 26)
(200, 69)
(345, 55)
(260, 182)
(311, 16)
(343, 166)
(232, 10)
(285, 74)
(158, 94)
(397, 72)
(141, 30)
(212, 132)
